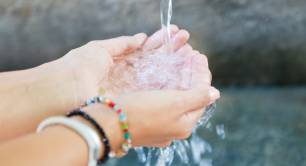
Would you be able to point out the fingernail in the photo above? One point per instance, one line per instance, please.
(214, 93)
(174, 29)
(141, 37)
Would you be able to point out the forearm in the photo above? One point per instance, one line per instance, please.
(58, 146)
(29, 96)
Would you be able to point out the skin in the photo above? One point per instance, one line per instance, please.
(57, 87)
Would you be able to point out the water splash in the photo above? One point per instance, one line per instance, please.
(141, 155)
(149, 157)
(208, 114)
(181, 150)
(199, 147)
(206, 162)
(220, 131)
(195, 146)
(186, 151)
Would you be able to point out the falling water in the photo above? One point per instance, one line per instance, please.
(165, 17)
(187, 151)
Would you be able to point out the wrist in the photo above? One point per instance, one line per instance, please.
(108, 120)
(63, 86)
(57, 86)
(80, 119)
(67, 139)
(82, 131)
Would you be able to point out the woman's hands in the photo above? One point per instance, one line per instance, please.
(152, 67)
(155, 117)
(63, 85)
(90, 64)
(57, 87)
(158, 117)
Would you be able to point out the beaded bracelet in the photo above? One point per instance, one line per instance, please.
(100, 130)
(127, 144)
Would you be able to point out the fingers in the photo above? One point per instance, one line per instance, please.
(179, 101)
(185, 50)
(187, 72)
(156, 40)
(188, 122)
(200, 70)
(162, 145)
(178, 41)
(182, 101)
(122, 45)
(193, 117)
(196, 98)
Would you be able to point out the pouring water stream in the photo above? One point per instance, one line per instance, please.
(165, 17)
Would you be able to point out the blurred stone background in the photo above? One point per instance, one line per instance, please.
(248, 42)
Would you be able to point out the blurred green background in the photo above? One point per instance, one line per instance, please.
(257, 53)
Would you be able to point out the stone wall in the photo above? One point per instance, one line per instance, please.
(247, 41)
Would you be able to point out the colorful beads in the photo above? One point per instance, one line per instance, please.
(119, 111)
(122, 117)
(125, 147)
(111, 104)
(124, 126)
(89, 102)
(116, 108)
(126, 135)
(127, 144)
(100, 99)
(107, 101)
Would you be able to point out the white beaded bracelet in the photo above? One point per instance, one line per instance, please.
(87, 133)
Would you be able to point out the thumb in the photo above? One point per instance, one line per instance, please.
(197, 98)
(181, 101)
(123, 45)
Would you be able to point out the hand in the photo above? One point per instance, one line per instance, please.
(158, 117)
(79, 74)
(183, 107)
(153, 68)
(149, 69)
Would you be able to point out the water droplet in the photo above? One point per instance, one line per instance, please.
(208, 114)
(141, 154)
(209, 126)
(181, 151)
(220, 131)
(206, 162)
(149, 157)
(199, 147)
